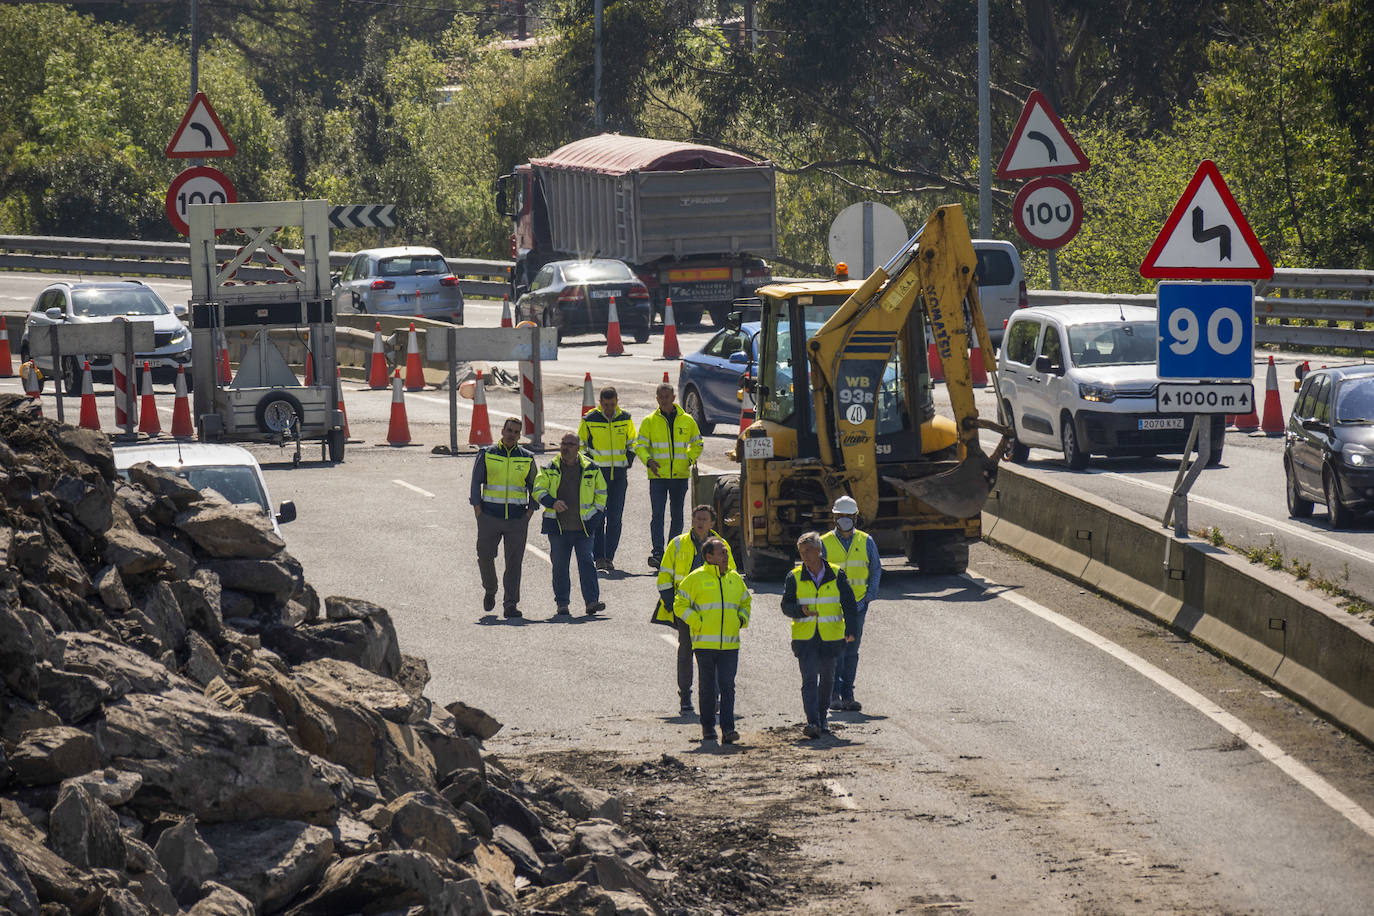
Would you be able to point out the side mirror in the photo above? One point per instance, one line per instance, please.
(739, 356)
(287, 512)
(501, 196)
(1314, 425)
(54, 314)
(179, 309)
(333, 280)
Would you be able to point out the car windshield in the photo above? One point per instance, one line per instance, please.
(1355, 401)
(106, 303)
(235, 482)
(596, 270)
(412, 265)
(1113, 343)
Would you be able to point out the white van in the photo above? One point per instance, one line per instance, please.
(1001, 283)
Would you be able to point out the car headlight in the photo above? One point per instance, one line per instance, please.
(1357, 456)
(1100, 393)
(178, 336)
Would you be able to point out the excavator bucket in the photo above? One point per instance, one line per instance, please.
(960, 492)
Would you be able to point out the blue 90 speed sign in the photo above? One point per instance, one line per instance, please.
(1206, 330)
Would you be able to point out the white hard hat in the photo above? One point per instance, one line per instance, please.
(845, 505)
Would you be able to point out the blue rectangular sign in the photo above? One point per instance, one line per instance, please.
(1206, 330)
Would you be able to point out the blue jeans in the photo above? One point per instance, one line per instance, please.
(561, 549)
(848, 663)
(660, 489)
(716, 676)
(816, 657)
(606, 537)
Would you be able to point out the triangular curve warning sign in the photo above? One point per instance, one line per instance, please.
(1206, 236)
(200, 135)
(1040, 144)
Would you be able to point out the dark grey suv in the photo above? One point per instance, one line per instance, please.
(1328, 448)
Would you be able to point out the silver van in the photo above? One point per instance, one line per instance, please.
(1001, 283)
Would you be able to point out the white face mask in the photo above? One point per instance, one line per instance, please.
(844, 523)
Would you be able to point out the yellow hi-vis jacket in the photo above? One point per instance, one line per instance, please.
(591, 492)
(675, 566)
(676, 448)
(610, 443)
(854, 562)
(715, 607)
(829, 619)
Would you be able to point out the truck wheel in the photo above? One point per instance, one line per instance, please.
(758, 567)
(938, 553)
(720, 313)
(641, 333)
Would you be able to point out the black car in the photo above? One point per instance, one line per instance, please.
(1328, 448)
(575, 297)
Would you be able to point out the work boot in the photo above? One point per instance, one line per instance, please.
(595, 608)
(850, 705)
(687, 709)
(513, 612)
(708, 734)
(836, 703)
(603, 565)
(654, 560)
(811, 731)
(730, 737)
(562, 611)
(488, 602)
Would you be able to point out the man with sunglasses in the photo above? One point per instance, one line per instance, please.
(608, 437)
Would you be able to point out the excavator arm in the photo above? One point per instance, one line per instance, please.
(850, 353)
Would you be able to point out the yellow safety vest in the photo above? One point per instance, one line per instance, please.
(854, 562)
(507, 477)
(826, 601)
(715, 607)
(675, 448)
(606, 441)
(676, 565)
(591, 497)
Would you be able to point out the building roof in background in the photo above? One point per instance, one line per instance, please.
(614, 154)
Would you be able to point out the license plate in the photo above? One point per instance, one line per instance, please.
(755, 449)
(603, 293)
(1162, 423)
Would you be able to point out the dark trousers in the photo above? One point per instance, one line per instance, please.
(848, 664)
(490, 532)
(684, 662)
(606, 537)
(816, 658)
(672, 493)
(716, 669)
(562, 547)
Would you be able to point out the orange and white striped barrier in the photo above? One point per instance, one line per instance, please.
(6, 358)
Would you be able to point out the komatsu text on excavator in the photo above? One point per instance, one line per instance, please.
(869, 427)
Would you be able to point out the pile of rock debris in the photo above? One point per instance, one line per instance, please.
(187, 727)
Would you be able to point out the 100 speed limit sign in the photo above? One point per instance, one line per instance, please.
(197, 185)
(1048, 212)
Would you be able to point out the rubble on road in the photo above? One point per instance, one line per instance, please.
(186, 727)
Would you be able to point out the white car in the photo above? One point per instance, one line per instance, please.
(1001, 283)
(230, 470)
(1081, 380)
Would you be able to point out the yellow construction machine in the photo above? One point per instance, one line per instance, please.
(869, 428)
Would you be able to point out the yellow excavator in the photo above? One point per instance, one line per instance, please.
(869, 428)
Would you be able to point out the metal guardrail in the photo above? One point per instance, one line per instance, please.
(480, 279)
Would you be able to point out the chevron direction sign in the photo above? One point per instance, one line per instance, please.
(363, 216)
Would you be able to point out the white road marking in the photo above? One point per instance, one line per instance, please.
(670, 640)
(468, 407)
(599, 380)
(1297, 771)
(412, 487)
(539, 553)
(1287, 528)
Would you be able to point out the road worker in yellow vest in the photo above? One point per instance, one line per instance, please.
(608, 438)
(683, 555)
(669, 444)
(572, 491)
(856, 553)
(714, 603)
(501, 497)
(817, 596)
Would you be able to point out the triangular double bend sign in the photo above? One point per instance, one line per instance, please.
(1206, 236)
(200, 135)
(1040, 144)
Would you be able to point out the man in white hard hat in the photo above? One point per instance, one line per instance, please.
(857, 554)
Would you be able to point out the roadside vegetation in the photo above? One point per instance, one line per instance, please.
(422, 106)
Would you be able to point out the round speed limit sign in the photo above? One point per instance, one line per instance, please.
(197, 185)
(1048, 212)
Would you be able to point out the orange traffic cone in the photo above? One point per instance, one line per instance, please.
(937, 368)
(398, 433)
(666, 380)
(182, 427)
(6, 359)
(90, 416)
(121, 393)
(670, 347)
(415, 370)
(1272, 424)
(614, 347)
(147, 414)
(28, 374)
(309, 361)
(377, 375)
(226, 372)
(505, 313)
(588, 396)
(480, 433)
(978, 368)
(338, 376)
(1249, 422)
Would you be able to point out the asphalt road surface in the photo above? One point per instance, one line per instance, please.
(1025, 746)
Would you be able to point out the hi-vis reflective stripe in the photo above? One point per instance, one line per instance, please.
(610, 458)
(818, 600)
(717, 606)
(829, 619)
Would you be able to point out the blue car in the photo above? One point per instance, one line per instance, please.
(708, 384)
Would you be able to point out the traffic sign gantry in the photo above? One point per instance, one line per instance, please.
(201, 135)
(1206, 236)
(1048, 212)
(1040, 144)
(1206, 331)
(197, 185)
